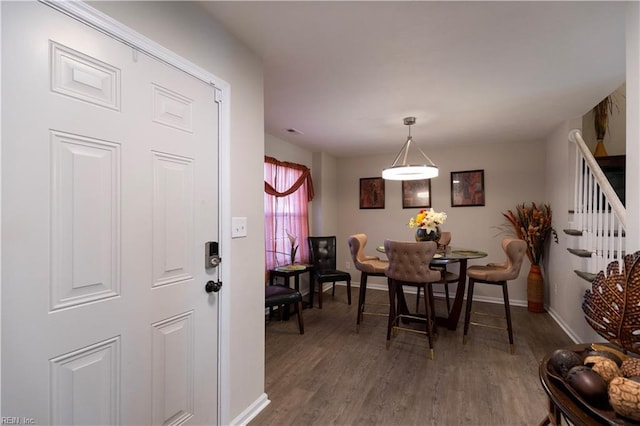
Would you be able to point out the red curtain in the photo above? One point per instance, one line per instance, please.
(288, 189)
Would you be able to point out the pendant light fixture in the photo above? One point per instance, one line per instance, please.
(400, 170)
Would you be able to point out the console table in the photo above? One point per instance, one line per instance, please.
(288, 271)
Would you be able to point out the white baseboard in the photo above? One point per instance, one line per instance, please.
(523, 303)
(251, 411)
(573, 336)
(410, 290)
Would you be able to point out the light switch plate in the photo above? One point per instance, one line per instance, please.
(238, 227)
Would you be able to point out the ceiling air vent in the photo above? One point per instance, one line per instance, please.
(294, 131)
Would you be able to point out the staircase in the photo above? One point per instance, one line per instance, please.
(598, 219)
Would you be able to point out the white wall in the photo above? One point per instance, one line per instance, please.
(632, 190)
(186, 30)
(325, 180)
(565, 289)
(285, 151)
(512, 172)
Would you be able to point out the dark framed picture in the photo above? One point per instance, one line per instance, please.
(416, 193)
(467, 188)
(372, 193)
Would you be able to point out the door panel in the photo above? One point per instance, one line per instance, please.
(85, 220)
(173, 369)
(109, 193)
(172, 224)
(74, 380)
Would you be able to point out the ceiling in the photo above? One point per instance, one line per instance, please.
(345, 74)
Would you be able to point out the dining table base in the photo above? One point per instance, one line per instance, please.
(451, 321)
(450, 255)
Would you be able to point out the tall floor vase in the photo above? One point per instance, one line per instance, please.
(600, 150)
(535, 290)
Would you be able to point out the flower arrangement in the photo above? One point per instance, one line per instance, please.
(294, 247)
(533, 225)
(428, 219)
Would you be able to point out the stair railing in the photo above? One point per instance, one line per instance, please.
(598, 211)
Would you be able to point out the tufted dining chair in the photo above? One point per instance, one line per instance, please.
(496, 274)
(368, 266)
(323, 253)
(409, 266)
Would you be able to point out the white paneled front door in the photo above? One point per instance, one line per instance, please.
(109, 193)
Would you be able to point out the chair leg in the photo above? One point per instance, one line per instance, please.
(446, 295)
(427, 307)
(507, 311)
(299, 312)
(418, 299)
(391, 284)
(312, 289)
(467, 313)
(284, 310)
(349, 291)
(333, 289)
(362, 294)
(432, 304)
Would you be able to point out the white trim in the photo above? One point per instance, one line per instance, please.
(224, 234)
(99, 21)
(1, 216)
(251, 411)
(573, 336)
(412, 290)
(88, 15)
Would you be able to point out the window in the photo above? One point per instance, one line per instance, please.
(288, 189)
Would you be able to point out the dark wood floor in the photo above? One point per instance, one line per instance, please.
(332, 375)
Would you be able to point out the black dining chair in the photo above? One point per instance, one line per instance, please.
(282, 297)
(322, 251)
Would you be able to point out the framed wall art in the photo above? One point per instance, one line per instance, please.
(416, 193)
(467, 188)
(372, 193)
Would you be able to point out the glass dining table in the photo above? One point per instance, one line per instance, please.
(442, 258)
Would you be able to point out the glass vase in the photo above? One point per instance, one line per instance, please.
(424, 235)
